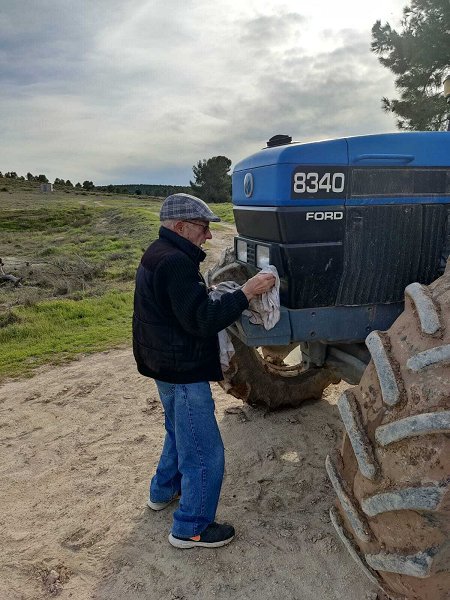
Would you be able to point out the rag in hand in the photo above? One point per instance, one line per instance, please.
(263, 310)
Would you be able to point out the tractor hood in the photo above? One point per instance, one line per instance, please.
(265, 178)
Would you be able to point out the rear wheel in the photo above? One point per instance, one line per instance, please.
(392, 475)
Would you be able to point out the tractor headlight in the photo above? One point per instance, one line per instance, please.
(262, 256)
(241, 250)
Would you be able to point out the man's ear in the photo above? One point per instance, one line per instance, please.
(178, 227)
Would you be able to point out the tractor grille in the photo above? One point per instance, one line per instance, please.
(386, 248)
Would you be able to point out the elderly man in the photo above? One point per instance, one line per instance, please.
(175, 327)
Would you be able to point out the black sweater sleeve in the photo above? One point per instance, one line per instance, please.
(188, 295)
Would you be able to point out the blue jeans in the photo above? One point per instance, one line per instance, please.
(192, 460)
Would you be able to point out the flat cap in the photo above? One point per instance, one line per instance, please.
(184, 207)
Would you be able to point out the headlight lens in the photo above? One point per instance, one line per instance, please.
(241, 250)
(262, 256)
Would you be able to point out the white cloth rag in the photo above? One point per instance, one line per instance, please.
(263, 310)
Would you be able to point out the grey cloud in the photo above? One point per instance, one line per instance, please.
(265, 30)
(140, 91)
(330, 95)
(146, 172)
(50, 41)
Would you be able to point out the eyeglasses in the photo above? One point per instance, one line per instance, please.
(204, 227)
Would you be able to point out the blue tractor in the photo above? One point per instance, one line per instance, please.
(359, 229)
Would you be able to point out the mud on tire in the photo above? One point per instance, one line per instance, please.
(249, 379)
(392, 475)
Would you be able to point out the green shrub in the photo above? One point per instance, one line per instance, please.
(8, 318)
(49, 251)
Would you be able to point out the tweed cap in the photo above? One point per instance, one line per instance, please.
(185, 207)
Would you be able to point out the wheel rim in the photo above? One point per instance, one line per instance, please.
(284, 369)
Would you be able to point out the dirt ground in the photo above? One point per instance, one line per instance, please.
(79, 445)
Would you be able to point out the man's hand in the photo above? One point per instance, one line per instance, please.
(257, 285)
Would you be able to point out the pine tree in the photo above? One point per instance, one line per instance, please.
(418, 56)
(212, 179)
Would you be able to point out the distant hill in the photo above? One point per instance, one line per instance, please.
(158, 190)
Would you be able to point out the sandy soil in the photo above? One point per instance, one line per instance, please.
(79, 444)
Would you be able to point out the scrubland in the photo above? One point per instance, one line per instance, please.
(76, 254)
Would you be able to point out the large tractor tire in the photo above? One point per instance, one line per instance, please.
(259, 376)
(392, 475)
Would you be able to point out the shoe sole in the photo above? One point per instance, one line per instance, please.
(160, 505)
(185, 544)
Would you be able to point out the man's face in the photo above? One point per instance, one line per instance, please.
(196, 231)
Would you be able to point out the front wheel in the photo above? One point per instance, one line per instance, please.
(262, 378)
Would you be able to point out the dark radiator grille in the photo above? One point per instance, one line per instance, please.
(386, 248)
(433, 242)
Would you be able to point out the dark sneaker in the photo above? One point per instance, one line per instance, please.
(161, 505)
(214, 536)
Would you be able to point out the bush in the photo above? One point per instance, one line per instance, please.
(49, 251)
(8, 318)
(127, 274)
(30, 296)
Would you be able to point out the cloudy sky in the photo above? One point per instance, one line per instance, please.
(139, 91)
